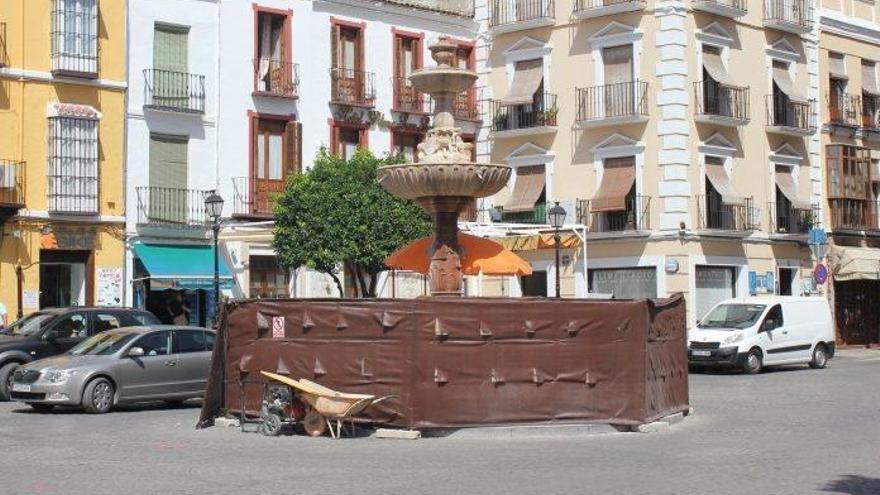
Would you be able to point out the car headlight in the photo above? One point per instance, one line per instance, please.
(59, 376)
(733, 339)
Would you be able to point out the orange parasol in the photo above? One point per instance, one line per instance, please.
(477, 255)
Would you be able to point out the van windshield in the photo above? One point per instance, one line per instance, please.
(732, 316)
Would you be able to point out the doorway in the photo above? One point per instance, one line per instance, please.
(64, 278)
(786, 281)
(534, 285)
(713, 284)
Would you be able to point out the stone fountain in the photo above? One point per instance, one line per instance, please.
(445, 180)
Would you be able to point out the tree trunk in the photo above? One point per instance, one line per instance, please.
(374, 280)
(352, 269)
(338, 283)
(365, 292)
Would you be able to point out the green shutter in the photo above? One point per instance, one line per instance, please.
(168, 178)
(170, 48)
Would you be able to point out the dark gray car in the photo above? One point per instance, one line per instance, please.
(131, 364)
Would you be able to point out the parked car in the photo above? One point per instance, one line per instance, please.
(54, 331)
(759, 332)
(125, 365)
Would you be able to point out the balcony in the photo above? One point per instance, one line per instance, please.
(352, 87)
(854, 215)
(276, 78)
(3, 61)
(715, 216)
(785, 219)
(789, 117)
(506, 16)
(409, 100)
(251, 201)
(720, 104)
(538, 117)
(587, 9)
(171, 207)
(612, 104)
(634, 219)
(172, 91)
(465, 107)
(844, 109)
(461, 8)
(11, 187)
(537, 216)
(793, 16)
(726, 8)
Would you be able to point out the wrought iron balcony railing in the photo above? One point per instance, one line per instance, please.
(713, 215)
(586, 6)
(612, 101)
(174, 91)
(462, 8)
(276, 78)
(466, 107)
(171, 206)
(730, 8)
(636, 216)
(871, 112)
(352, 87)
(537, 215)
(505, 12)
(718, 100)
(789, 14)
(853, 214)
(785, 219)
(12, 183)
(540, 113)
(844, 109)
(798, 116)
(248, 202)
(408, 99)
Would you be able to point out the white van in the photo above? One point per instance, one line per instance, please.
(764, 331)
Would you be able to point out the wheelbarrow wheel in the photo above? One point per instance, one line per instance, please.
(314, 424)
(272, 424)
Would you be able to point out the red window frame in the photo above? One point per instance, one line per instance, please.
(286, 37)
(363, 134)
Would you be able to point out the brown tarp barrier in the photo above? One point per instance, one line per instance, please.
(455, 362)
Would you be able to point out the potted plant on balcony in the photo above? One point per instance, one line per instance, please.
(549, 116)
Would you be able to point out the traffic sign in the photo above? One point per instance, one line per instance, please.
(820, 273)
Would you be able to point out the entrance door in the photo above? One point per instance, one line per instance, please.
(618, 68)
(787, 281)
(62, 285)
(713, 285)
(269, 165)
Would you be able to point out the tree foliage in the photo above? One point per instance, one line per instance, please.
(337, 212)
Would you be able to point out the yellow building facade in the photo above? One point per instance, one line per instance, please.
(62, 143)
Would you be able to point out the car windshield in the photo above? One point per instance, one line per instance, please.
(732, 316)
(102, 344)
(31, 324)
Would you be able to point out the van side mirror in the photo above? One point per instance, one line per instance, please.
(769, 324)
(135, 352)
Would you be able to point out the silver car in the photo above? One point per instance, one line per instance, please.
(130, 364)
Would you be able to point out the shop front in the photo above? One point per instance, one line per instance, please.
(176, 282)
(855, 275)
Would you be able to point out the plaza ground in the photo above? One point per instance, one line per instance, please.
(792, 431)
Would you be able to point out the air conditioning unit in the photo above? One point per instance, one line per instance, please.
(7, 176)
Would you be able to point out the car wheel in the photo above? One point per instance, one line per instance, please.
(41, 408)
(753, 362)
(98, 396)
(272, 424)
(6, 372)
(820, 357)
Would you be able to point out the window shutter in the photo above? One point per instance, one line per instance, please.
(335, 34)
(334, 140)
(398, 57)
(417, 53)
(293, 138)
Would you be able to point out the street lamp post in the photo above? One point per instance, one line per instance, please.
(557, 219)
(214, 209)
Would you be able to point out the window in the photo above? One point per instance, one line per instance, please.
(272, 64)
(351, 85)
(614, 204)
(534, 285)
(775, 314)
(527, 201)
(345, 140)
(406, 144)
(848, 184)
(104, 321)
(72, 327)
(73, 165)
(170, 81)
(277, 154)
(466, 102)
(268, 279)
(187, 341)
(75, 37)
(155, 344)
(167, 199)
(624, 283)
(407, 58)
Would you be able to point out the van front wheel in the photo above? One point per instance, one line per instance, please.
(753, 362)
(820, 357)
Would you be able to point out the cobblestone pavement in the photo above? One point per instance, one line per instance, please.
(795, 431)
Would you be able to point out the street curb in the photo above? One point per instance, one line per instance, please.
(523, 431)
(388, 433)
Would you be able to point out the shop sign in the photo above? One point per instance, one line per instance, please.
(109, 286)
(73, 238)
(671, 265)
(761, 283)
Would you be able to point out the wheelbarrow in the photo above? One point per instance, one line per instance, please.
(327, 407)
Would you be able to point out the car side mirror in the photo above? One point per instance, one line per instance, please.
(768, 325)
(136, 352)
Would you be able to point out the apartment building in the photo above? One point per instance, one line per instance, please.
(680, 137)
(62, 94)
(172, 128)
(296, 77)
(849, 52)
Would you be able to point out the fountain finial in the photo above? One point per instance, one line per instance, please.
(443, 52)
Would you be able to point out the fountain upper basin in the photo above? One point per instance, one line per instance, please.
(423, 180)
(442, 80)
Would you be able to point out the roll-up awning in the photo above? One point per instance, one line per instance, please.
(854, 263)
(527, 79)
(526, 190)
(182, 266)
(718, 177)
(869, 79)
(715, 67)
(836, 66)
(783, 80)
(786, 183)
(617, 181)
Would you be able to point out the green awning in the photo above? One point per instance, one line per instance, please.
(181, 266)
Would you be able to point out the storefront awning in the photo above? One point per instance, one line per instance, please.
(617, 181)
(527, 189)
(786, 85)
(718, 177)
(785, 182)
(854, 263)
(527, 79)
(181, 266)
